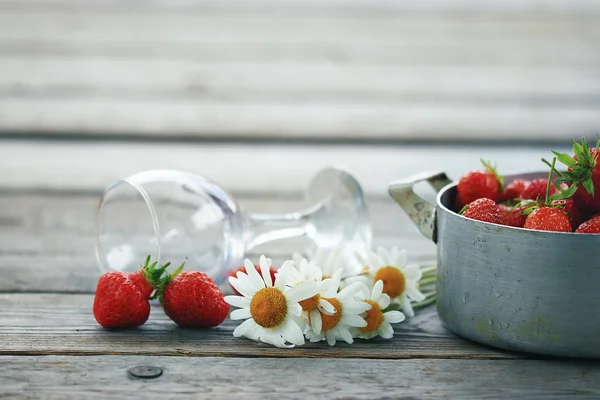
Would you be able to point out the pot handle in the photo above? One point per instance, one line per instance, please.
(421, 212)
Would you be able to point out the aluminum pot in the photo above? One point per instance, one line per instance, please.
(511, 288)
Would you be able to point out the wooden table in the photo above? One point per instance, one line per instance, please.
(51, 345)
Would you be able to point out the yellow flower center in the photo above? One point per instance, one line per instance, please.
(374, 317)
(268, 307)
(330, 321)
(311, 303)
(393, 279)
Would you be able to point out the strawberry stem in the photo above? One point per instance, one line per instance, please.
(548, 184)
(550, 165)
(492, 168)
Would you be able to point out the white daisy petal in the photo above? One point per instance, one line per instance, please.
(253, 274)
(386, 331)
(316, 322)
(302, 291)
(242, 313)
(377, 290)
(375, 262)
(400, 259)
(354, 289)
(394, 253)
(357, 307)
(283, 274)
(346, 335)
(383, 301)
(265, 271)
(330, 338)
(354, 321)
(326, 307)
(406, 306)
(292, 332)
(394, 317)
(384, 255)
(243, 328)
(243, 285)
(412, 273)
(237, 301)
(294, 309)
(414, 294)
(254, 332)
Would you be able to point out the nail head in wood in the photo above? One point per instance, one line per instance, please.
(145, 372)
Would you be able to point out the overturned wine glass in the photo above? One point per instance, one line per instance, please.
(179, 216)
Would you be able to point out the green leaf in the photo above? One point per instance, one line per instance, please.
(529, 210)
(567, 193)
(577, 149)
(493, 170)
(588, 184)
(565, 159)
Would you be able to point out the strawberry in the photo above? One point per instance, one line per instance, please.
(512, 216)
(568, 207)
(122, 298)
(479, 184)
(193, 300)
(548, 219)
(482, 210)
(537, 188)
(234, 272)
(513, 190)
(583, 174)
(590, 226)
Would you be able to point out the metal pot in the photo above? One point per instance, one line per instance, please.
(511, 288)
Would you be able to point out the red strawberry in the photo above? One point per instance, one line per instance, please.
(513, 190)
(537, 188)
(590, 226)
(121, 299)
(479, 184)
(548, 219)
(511, 216)
(193, 300)
(233, 273)
(483, 210)
(584, 174)
(568, 207)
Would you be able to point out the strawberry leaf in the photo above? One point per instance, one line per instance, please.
(577, 149)
(565, 194)
(493, 170)
(565, 159)
(588, 184)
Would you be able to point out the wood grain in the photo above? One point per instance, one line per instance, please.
(63, 377)
(254, 169)
(300, 70)
(59, 324)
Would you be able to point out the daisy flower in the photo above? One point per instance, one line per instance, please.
(378, 322)
(400, 282)
(315, 306)
(269, 307)
(347, 316)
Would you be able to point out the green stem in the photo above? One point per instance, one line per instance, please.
(427, 281)
(425, 302)
(550, 179)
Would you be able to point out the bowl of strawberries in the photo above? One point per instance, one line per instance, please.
(518, 255)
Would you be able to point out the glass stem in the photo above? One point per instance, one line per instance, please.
(263, 228)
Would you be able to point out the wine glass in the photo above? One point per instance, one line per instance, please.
(179, 216)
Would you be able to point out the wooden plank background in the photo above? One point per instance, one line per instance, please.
(513, 70)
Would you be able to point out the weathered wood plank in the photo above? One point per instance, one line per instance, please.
(61, 78)
(246, 168)
(47, 241)
(58, 324)
(366, 120)
(63, 377)
(316, 6)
